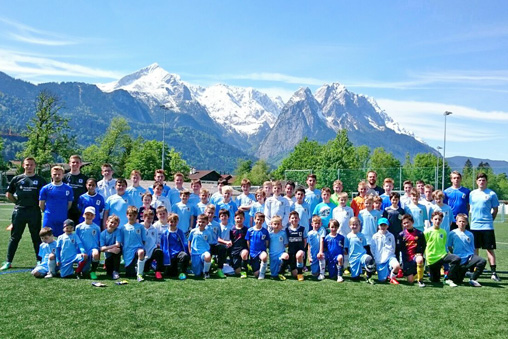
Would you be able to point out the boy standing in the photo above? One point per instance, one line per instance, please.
(55, 200)
(394, 214)
(369, 220)
(258, 206)
(358, 202)
(324, 209)
(118, 203)
(199, 248)
(93, 199)
(132, 238)
(388, 185)
(303, 209)
(77, 181)
(185, 212)
(159, 177)
(277, 205)
(216, 248)
(312, 195)
(107, 185)
(135, 192)
(226, 203)
(258, 240)
(418, 211)
(440, 206)
(47, 266)
(245, 200)
(342, 214)
(217, 196)
(152, 242)
(383, 250)
(158, 197)
(69, 250)
(238, 248)
(89, 234)
(337, 189)
(406, 198)
(174, 194)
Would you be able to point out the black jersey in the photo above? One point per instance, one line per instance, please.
(296, 239)
(78, 184)
(27, 189)
(238, 239)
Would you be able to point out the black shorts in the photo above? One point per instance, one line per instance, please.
(485, 239)
(255, 263)
(236, 260)
(292, 259)
(409, 267)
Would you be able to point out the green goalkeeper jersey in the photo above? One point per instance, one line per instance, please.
(436, 245)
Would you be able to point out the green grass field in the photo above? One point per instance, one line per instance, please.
(37, 308)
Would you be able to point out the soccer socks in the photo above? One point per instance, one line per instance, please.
(52, 266)
(206, 266)
(340, 270)
(94, 265)
(244, 265)
(81, 265)
(419, 272)
(493, 268)
(141, 266)
(322, 266)
(262, 269)
(299, 267)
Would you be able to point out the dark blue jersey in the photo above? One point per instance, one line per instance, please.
(238, 239)
(296, 238)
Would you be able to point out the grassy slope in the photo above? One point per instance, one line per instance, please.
(250, 308)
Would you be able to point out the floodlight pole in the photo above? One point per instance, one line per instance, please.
(165, 108)
(446, 113)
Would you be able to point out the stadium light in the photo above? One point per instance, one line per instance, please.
(165, 108)
(439, 148)
(446, 113)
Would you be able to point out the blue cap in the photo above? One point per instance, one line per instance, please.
(383, 221)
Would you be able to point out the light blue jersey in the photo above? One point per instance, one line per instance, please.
(136, 195)
(151, 240)
(462, 244)
(96, 201)
(90, 236)
(246, 200)
(68, 251)
(324, 211)
(165, 191)
(185, 212)
(229, 206)
(355, 244)
(215, 231)
(225, 232)
(447, 215)
(200, 208)
(256, 207)
(312, 198)
(482, 203)
(304, 213)
(278, 243)
(132, 238)
(368, 220)
(174, 196)
(257, 239)
(200, 241)
(314, 241)
(109, 239)
(419, 214)
(45, 250)
(216, 198)
(194, 200)
(117, 205)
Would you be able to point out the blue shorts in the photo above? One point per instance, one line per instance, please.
(275, 262)
(332, 262)
(356, 265)
(42, 269)
(384, 268)
(67, 268)
(197, 263)
(314, 266)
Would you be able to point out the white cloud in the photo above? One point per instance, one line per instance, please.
(31, 35)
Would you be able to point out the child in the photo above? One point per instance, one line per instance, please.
(377, 203)
(159, 177)
(324, 209)
(436, 254)
(110, 246)
(163, 223)
(383, 251)
(216, 249)
(278, 244)
(174, 194)
(258, 206)
(461, 243)
(199, 248)
(136, 192)
(118, 203)
(406, 198)
(146, 205)
(411, 245)
(245, 200)
(226, 203)
(303, 208)
(258, 240)
(174, 249)
(297, 241)
(418, 211)
(91, 198)
(358, 202)
(342, 214)
(195, 198)
(203, 201)
(355, 247)
(89, 234)
(332, 250)
(70, 250)
(47, 266)
(388, 185)
(152, 242)
(158, 198)
(337, 189)
(268, 189)
(133, 237)
(289, 190)
(217, 196)
(107, 185)
(440, 206)
(238, 247)
(394, 214)
(369, 219)
(185, 212)
(312, 195)
(314, 246)
(277, 205)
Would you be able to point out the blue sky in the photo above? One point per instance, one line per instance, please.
(416, 58)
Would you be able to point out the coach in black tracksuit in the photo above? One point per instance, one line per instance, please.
(23, 190)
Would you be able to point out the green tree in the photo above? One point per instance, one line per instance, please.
(242, 170)
(177, 164)
(145, 156)
(48, 133)
(3, 163)
(260, 173)
(304, 157)
(385, 164)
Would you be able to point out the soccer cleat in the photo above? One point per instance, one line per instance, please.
(370, 281)
(158, 275)
(347, 271)
(182, 276)
(93, 276)
(281, 277)
(98, 284)
(320, 277)
(421, 284)
(261, 277)
(299, 277)
(48, 276)
(495, 277)
(221, 274)
(394, 281)
(469, 274)
(400, 274)
(249, 268)
(116, 276)
(450, 283)
(206, 275)
(243, 275)
(474, 283)
(5, 266)
(340, 279)
(140, 278)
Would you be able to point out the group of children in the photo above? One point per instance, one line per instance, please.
(199, 233)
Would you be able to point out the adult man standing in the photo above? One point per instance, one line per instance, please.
(484, 205)
(373, 188)
(457, 197)
(23, 190)
(77, 181)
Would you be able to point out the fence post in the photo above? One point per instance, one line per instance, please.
(338, 174)
(400, 178)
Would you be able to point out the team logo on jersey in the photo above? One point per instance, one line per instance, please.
(94, 232)
(486, 197)
(281, 239)
(53, 250)
(299, 234)
(263, 237)
(153, 233)
(72, 241)
(80, 181)
(138, 231)
(441, 236)
(205, 237)
(400, 216)
(464, 196)
(67, 192)
(98, 202)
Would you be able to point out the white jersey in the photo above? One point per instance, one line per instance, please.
(342, 215)
(382, 247)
